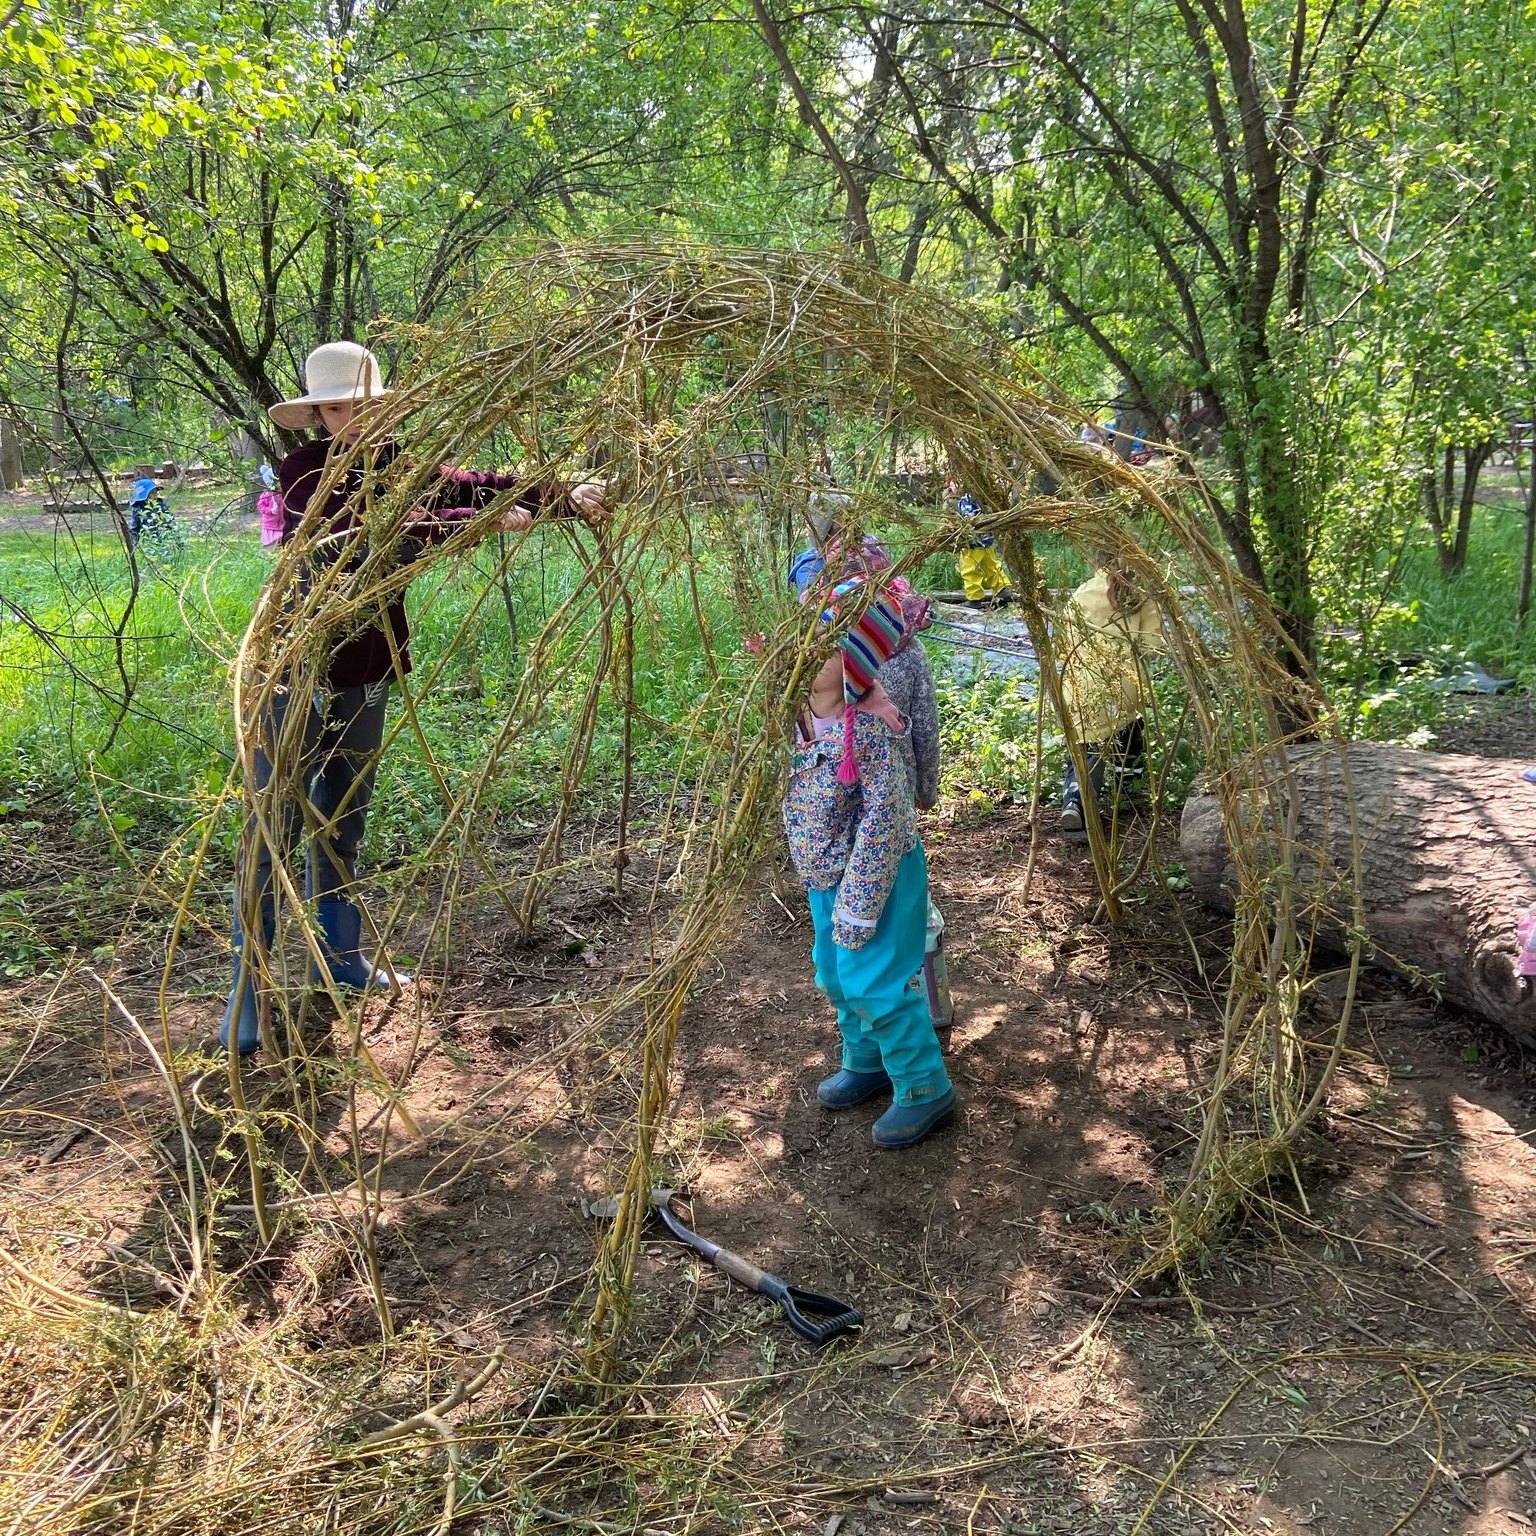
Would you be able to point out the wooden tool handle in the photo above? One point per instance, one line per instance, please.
(740, 1270)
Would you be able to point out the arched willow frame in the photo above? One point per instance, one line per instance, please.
(703, 383)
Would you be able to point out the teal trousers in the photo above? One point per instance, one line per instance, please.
(882, 1008)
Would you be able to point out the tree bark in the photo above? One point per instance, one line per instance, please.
(856, 225)
(1447, 863)
(10, 455)
(1436, 493)
(1473, 458)
(1453, 539)
(1528, 554)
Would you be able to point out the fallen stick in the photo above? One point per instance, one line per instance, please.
(1176, 1298)
(1402, 1205)
(1504, 1463)
(431, 1418)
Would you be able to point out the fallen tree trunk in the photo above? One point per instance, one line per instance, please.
(1447, 863)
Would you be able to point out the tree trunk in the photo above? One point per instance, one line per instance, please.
(917, 228)
(1279, 499)
(1436, 494)
(856, 226)
(1284, 517)
(1528, 555)
(58, 433)
(10, 455)
(1445, 860)
(330, 263)
(1472, 461)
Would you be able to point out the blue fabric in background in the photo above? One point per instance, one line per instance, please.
(805, 568)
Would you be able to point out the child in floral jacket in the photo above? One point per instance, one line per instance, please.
(852, 825)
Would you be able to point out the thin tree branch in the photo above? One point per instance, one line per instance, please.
(859, 230)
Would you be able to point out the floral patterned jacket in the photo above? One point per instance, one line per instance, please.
(852, 836)
(908, 678)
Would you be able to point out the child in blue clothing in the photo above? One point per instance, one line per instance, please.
(907, 678)
(852, 825)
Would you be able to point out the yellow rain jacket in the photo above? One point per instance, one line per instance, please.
(1105, 657)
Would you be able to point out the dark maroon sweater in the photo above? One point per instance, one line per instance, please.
(363, 656)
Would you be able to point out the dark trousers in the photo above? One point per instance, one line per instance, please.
(1123, 757)
(338, 758)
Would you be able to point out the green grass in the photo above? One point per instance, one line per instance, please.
(1473, 613)
(1382, 661)
(157, 766)
(64, 678)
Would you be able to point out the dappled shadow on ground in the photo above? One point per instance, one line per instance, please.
(1358, 1358)
(1489, 725)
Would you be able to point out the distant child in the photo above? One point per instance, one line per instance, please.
(851, 820)
(1525, 962)
(830, 546)
(981, 572)
(1111, 628)
(1127, 443)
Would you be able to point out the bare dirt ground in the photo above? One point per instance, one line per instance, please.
(1496, 725)
(1360, 1360)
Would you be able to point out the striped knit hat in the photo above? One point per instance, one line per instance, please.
(872, 640)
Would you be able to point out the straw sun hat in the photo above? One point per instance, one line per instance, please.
(340, 370)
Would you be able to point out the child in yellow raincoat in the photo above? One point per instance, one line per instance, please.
(981, 572)
(1110, 629)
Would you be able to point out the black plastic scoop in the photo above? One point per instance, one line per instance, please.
(814, 1317)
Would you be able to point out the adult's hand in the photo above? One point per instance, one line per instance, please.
(590, 499)
(515, 520)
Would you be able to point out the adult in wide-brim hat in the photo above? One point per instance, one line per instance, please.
(324, 483)
(336, 372)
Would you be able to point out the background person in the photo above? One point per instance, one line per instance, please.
(981, 572)
(1111, 627)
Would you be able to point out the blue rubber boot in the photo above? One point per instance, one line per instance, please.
(341, 929)
(240, 1013)
(844, 1089)
(905, 1124)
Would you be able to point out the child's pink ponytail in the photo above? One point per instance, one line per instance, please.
(847, 768)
